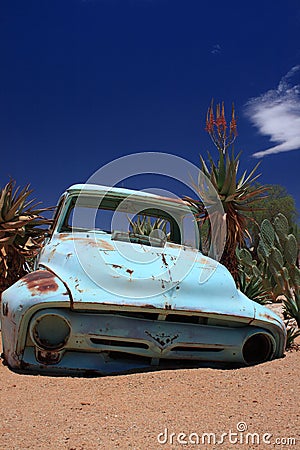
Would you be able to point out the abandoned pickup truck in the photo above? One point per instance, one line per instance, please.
(122, 285)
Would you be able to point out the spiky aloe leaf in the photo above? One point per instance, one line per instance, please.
(21, 232)
(143, 225)
(292, 334)
(252, 287)
(291, 309)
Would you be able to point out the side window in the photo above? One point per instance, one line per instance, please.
(57, 214)
(190, 231)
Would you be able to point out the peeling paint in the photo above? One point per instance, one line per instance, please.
(101, 244)
(130, 272)
(40, 282)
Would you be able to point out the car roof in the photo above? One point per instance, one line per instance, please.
(95, 188)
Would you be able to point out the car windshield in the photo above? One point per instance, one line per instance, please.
(131, 218)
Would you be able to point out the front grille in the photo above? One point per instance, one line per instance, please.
(161, 316)
(118, 343)
(182, 318)
(174, 317)
(195, 349)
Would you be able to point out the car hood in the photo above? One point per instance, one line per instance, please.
(99, 271)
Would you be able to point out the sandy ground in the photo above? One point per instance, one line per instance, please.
(130, 411)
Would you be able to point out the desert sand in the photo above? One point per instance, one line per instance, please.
(258, 405)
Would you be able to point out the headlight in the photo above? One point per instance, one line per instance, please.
(50, 331)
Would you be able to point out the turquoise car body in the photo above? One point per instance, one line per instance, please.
(100, 302)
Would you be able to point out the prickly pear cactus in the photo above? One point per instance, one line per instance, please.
(267, 234)
(276, 261)
(281, 225)
(244, 256)
(291, 249)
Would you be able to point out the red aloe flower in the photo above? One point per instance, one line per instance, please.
(233, 126)
(221, 123)
(210, 120)
(217, 127)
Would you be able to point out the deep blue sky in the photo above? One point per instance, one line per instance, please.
(85, 81)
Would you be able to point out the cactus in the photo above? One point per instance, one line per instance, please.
(275, 259)
(291, 249)
(276, 264)
(244, 256)
(267, 234)
(295, 275)
(262, 251)
(249, 277)
(277, 252)
(281, 225)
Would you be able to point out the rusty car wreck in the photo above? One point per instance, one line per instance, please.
(107, 298)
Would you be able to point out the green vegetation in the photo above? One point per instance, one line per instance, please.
(238, 194)
(21, 237)
(145, 225)
(262, 244)
(278, 200)
(276, 262)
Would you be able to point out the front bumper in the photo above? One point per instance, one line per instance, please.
(118, 341)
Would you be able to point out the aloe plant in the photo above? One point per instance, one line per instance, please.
(292, 305)
(237, 193)
(251, 285)
(292, 334)
(21, 235)
(144, 226)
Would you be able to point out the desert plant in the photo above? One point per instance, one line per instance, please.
(292, 305)
(250, 280)
(21, 235)
(292, 334)
(276, 269)
(237, 193)
(277, 201)
(276, 259)
(144, 226)
(278, 251)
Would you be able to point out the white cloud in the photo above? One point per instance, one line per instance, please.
(276, 114)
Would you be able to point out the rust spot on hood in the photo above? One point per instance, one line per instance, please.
(40, 282)
(267, 317)
(163, 257)
(98, 243)
(105, 245)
